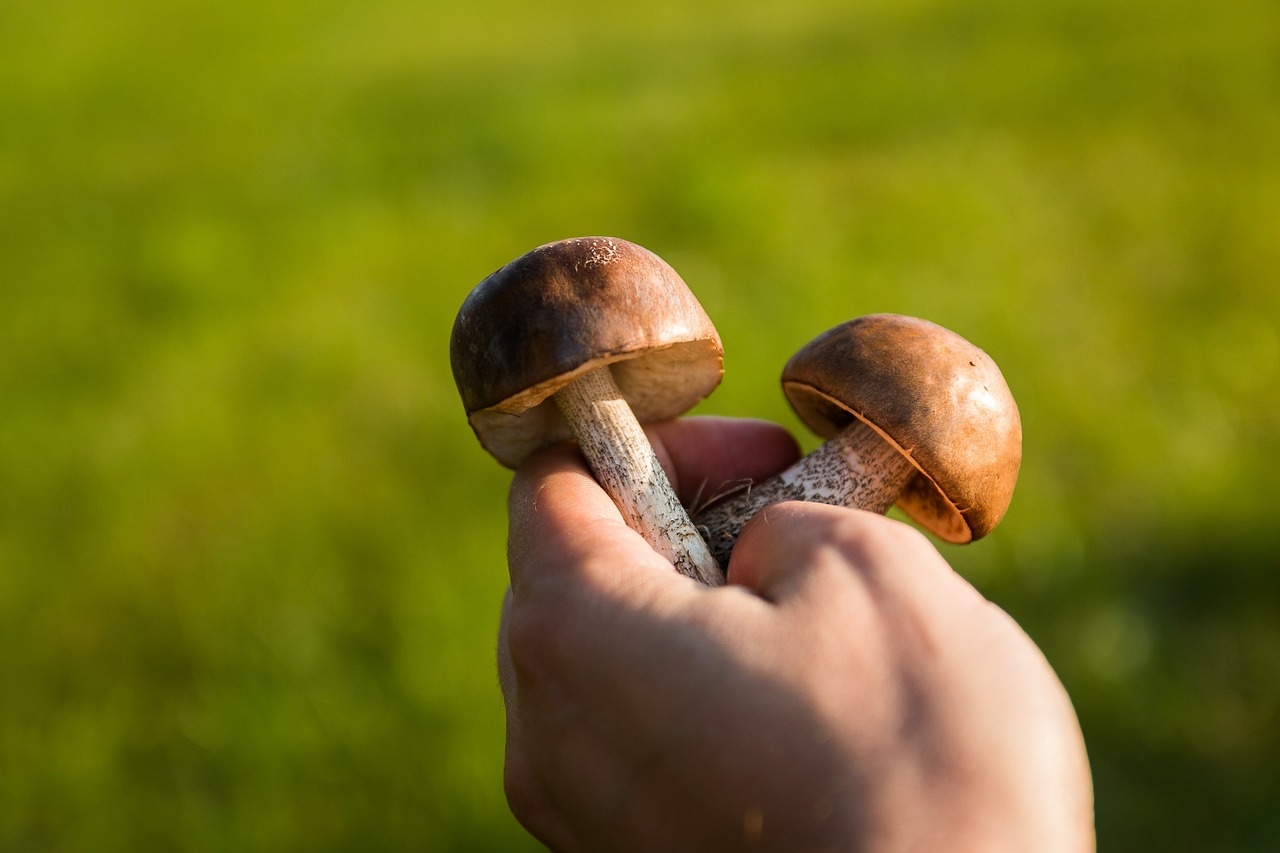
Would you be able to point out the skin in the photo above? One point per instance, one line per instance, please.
(846, 690)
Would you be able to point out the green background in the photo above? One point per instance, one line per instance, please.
(251, 556)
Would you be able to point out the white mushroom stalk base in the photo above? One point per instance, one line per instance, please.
(857, 468)
(624, 464)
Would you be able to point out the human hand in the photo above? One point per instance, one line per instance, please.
(847, 690)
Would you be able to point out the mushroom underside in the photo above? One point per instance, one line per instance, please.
(923, 499)
(658, 384)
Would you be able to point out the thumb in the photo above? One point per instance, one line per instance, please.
(789, 549)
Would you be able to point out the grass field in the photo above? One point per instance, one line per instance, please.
(250, 554)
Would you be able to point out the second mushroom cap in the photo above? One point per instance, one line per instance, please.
(938, 398)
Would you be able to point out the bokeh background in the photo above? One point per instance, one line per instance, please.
(251, 557)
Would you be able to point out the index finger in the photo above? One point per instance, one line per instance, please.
(707, 456)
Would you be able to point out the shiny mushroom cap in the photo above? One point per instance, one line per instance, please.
(567, 308)
(936, 397)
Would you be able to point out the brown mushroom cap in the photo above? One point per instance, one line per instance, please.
(936, 397)
(567, 308)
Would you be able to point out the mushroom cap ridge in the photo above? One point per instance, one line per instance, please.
(566, 308)
(936, 397)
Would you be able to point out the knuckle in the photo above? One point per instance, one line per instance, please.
(878, 548)
(907, 538)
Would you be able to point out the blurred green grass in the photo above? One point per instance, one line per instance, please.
(250, 555)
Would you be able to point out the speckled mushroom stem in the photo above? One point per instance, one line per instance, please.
(626, 467)
(856, 468)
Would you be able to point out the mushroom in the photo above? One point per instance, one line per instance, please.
(913, 414)
(588, 338)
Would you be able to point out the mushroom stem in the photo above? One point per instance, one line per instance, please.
(626, 467)
(856, 468)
